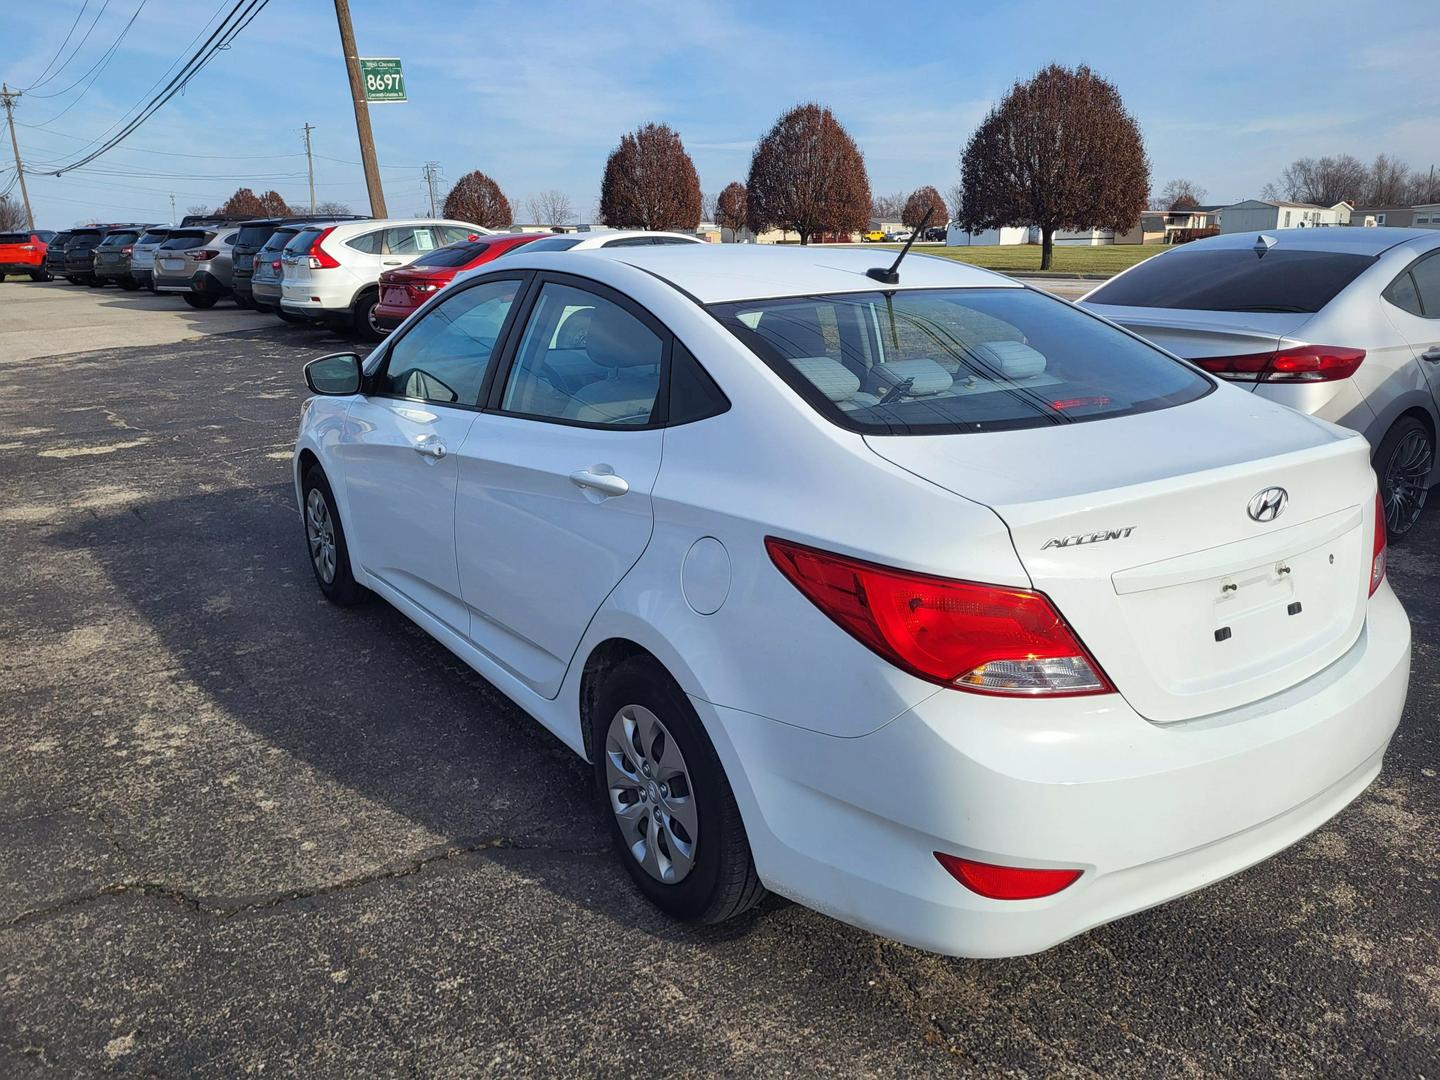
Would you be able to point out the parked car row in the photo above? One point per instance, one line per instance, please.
(359, 275)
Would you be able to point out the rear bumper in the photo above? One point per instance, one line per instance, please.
(389, 316)
(20, 268)
(200, 283)
(1148, 812)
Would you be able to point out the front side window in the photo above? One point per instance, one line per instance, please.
(585, 359)
(937, 361)
(443, 357)
(1236, 279)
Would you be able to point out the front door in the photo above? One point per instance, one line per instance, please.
(555, 478)
(400, 447)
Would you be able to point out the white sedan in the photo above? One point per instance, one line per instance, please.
(940, 606)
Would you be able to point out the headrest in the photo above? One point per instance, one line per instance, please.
(573, 330)
(830, 377)
(1013, 359)
(616, 339)
(927, 377)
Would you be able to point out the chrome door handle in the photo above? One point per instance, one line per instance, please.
(392, 262)
(605, 483)
(431, 447)
(1431, 354)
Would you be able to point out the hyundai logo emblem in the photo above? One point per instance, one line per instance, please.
(1268, 504)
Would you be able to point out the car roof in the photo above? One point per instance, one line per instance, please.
(714, 273)
(366, 224)
(593, 238)
(1341, 238)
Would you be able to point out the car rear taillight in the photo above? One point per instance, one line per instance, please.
(1303, 363)
(274, 264)
(983, 638)
(27, 247)
(126, 250)
(1006, 882)
(203, 254)
(320, 259)
(1378, 546)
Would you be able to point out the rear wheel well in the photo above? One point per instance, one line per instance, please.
(1423, 416)
(603, 659)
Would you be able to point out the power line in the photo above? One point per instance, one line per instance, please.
(96, 69)
(76, 51)
(41, 81)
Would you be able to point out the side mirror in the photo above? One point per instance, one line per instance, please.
(337, 375)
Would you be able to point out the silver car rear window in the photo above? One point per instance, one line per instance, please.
(1235, 279)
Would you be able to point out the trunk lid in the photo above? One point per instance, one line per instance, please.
(1190, 605)
(1196, 335)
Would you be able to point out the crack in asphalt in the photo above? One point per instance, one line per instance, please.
(224, 908)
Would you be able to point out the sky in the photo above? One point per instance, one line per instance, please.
(537, 93)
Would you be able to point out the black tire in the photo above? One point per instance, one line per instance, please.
(342, 588)
(1403, 462)
(362, 316)
(97, 283)
(72, 279)
(129, 284)
(244, 302)
(41, 275)
(722, 882)
(202, 301)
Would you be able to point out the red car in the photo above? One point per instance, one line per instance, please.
(404, 290)
(24, 253)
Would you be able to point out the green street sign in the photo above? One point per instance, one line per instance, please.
(383, 79)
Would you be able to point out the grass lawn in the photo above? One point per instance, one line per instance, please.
(1025, 258)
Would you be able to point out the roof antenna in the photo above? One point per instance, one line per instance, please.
(891, 277)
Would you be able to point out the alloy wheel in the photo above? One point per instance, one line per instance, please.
(1406, 474)
(320, 531)
(651, 794)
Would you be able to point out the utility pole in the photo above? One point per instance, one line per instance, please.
(362, 110)
(432, 174)
(172, 207)
(9, 99)
(310, 164)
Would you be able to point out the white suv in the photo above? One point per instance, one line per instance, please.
(332, 271)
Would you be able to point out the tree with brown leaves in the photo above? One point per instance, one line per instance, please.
(1059, 152)
(730, 210)
(245, 203)
(478, 200)
(650, 183)
(921, 201)
(807, 175)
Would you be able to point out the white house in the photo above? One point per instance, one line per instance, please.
(1427, 216)
(1254, 215)
(958, 237)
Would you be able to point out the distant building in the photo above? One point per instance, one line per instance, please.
(1427, 216)
(1171, 226)
(1023, 234)
(1380, 217)
(1254, 215)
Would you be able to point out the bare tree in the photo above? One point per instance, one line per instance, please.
(808, 175)
(650, 182)
(1060, 152)
(477, 199)
(1323, 181)
(1389, 182)
(339, 209)
(12, 215)
(956, 196)
(1181, 194)
(730, 210)
(1424, 187)
(197, 209)
(887, 207)
(551, 207)
(920, 201)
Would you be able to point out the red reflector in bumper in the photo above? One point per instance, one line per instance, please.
(1006, 882)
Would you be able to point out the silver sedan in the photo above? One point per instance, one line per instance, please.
(1340, 323)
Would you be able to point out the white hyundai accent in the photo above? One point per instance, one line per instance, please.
(940, 606)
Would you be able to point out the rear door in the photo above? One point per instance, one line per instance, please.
(401, 447)
(555, 478)
(406, 243)
(1414, 307)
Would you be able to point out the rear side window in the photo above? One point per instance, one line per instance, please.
(1403, 294)
(155, 236)
(1235, 279)
(369, 243)
(253, 236)
(939, 361)
(1427, 283)
(453, 234)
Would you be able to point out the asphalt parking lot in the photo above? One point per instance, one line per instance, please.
(244, 831)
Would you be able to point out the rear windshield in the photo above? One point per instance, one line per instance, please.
(1235, 279)
(552, 243)
(119, 239)
(253, 236)
(14, 238)
(278, 239)
(85, 238)
(454, 255)
(302, 242)
(60, 239)
(154, 236)
(181, 241)
(936, 361)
